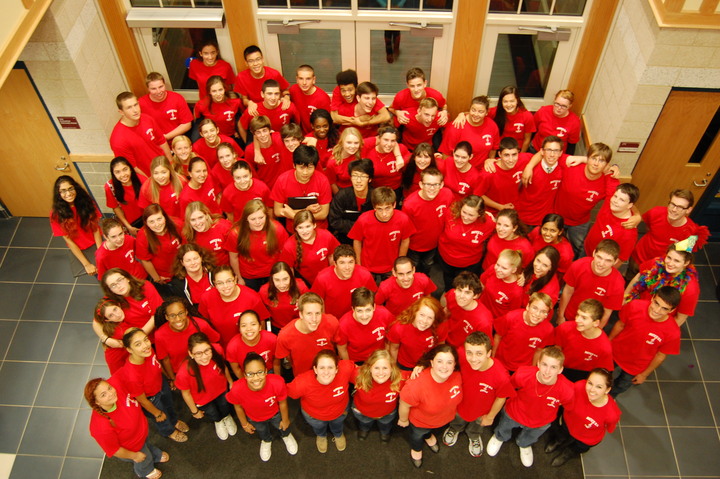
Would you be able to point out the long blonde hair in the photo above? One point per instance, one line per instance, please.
(338, 148)
(175, 181)
(364, 379)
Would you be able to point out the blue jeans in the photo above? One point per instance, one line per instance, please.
(217, 409)
(418, 436)
(527, 437)
(576, 235)
(423, 259)
(385, 423)
(152, 455)
(263, 428)
(622, 382)
(471, 428)
(164, 402)
(320, 428)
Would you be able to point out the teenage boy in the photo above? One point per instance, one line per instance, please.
(336, 283)
(303, 181)
(608, 224)
(381, 235)
(405, 286)
(273, 162)
(363, 329)
(137, 137)
(593, 277)
(537, 197)
(666, 225)
(117, 250)
(584, 344)
(427, 208)
(306, 96)
(368, 113)
(249, 82)
(465, 314)
(348, 203)
(169, 109)
(643, 337)
(500, 189)
(486, 387)
(411, 97)
(271, 108)
(302, 338)
(422, 124)
(243, 189)
(344, 92)
(541, 390)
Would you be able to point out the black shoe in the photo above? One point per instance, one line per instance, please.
(362, 435)
(562, 458)
(385, 437)
(435, 448)
(551, 446)
(416, 462)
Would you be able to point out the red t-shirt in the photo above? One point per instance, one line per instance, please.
(495, 246)
(259, 405)
(224, 114)
(336, 292)
(481, 388)
(381, 240)
(564, 248)
(131, 209)
(609, 226)
(201, 73)
(214, 240)
(552, 289)
(499, 296)
(324, 151)
(259, 264)
(538, 198)
(642, 338)
(428, 217)
(304, 347)
(348, 109)
(164, 254)
(385, 172)
(83, 237)
(237, 349)
(276, 161)
(606, 289)
(380, 400)
(139, 144)
(250, 87)
(503, 186)
(586, 422)
(462, 322)
(122, 257)
(130, 430)
(416, 132)
(397, 299)
(363, 339)
(461, 184)
(583, 353)
(213, 378)
(197, 288)
(483, 139)
(578, 195)
(170, 113)
(206, 194)
(320, 401)
(537, 404)
(338, 174)
(139, 312)
(413, 342)
(689, 297)
(462, 245)
(221, 177)
(567, 128)
(315, 256)
(517, 125)
(174, 345)
(233, 200)
(209, 154)
(287, 186)
(660, 234)
(145, 378)
(115, 357)
(519, 340)
(403, 99)
(432, 404)
(307, 103)
(168, 198)
(283, 312)
(277, 116)
(224, 315)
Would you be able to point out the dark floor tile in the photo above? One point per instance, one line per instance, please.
(20, 382)
(707, 282)
(607, 458)
(79, 468)
(76, 343)
(81, 443)
(641, 406)
(21, 264)
(686, 404)
(47, 302)
(7, 230)
(33, 232)
(82, 303)
(62, 385)
(696, 451)
(48, 431)
(649, 451)
(705, 324)
(7, 329)
(85, 279)
(12, 299)
(13, 421)
(707, 353)
(681, 367)
(712, 251)
(713, 390)
(33, 341)
(57, 242)
(55, 267)
(36, 467)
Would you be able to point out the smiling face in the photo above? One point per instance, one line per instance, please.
(504, 228)
(344, 267)
(242, 179)
(602, 263)
(140, 345)
(508, 158)
(596, 388)
(504, 268)
(659, 309)
(192, 262)
(417, 88)
(182, 150)
(367, 101)
(263, 135)
(257, 220)
(620, 202)
(217, 92)
(161, 175)
(305, 80)
(281, 280)
(209, 133)
(461, 158)
(105, 395)
(381, 371)
(348, 92)
(226, 283)
(363, 314)
(156, 223)
(595, 165)
(209, 55)
(442, 366)
(387, 143)
(426, 115)
(675, 262)
(477, 356)
(67, 192)
(306, 230)
(541, 265)
(177, 317)
(226, 157)
(549, 369)
(350, 145)
(326, 370)
(121, 172)
(249, 328)
(201, 353)
(320, 127)
(424, 318)
(255, 63)
(584, 322)
(469, 214)
(464, 296)
(311, 315)
(255, 375)
(199, 221)
(115, 237)
(550, 232)
(678, 208)
(430, 186)
(271, 96)
(510, 103)
(404, 274)
(551, 152)
(199, 172)
(477, 115)
(156, 89)
(535, 313)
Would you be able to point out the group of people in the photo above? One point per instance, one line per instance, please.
(300, 266)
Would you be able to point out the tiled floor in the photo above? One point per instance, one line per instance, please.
(48, 351)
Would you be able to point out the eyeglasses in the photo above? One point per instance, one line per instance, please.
(359, 177)
(200, 354)
(549, 150)
(673, 206)
(67, 191)
(258, 374)
(560, 106)
(432, 185)
(224, 283)
(117, 283)
(255, 61)
(179, 314)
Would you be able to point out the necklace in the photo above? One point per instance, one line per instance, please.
(536, 386)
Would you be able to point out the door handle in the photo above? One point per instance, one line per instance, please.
(702, 184)
(65, 166)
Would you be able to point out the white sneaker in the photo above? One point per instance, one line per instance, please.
(290, 444)
(265, 450)
(526, 456)
(493, 446)
(221, 430)
(230, 425)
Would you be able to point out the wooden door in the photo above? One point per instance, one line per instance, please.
(665, 162)
(33, 155)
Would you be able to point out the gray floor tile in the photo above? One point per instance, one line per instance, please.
(99, 370)
(76, 343)
(48, 431)
(707, 353)
(649, 451)
(7, 230)
(21, 264)
(55, 267)
(641, 406)
(99, 361)
(12, 299)
(62, 385)
(682, 367)
(13, 421)
(707, 282)
(686, 404)
(34, 232)
(79, 468)
(705, 324)
(694, 460)
(57, 242)
(714, 395)
(33, 341)
(81, 443)
(82, 302)
(712, 251)
(607, 458)
(20, 382)
(47, 302)
(7, 329)
(34, 467)
(85, 279)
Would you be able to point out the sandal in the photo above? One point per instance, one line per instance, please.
(182, 427)
(155, 474)
(178, 436)
(164, 457)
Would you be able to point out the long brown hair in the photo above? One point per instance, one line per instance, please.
(175, 182)
(294, 291)
(206, 257)
(152, 239)
(136, 286)
(271, 239)
(108, 327)
(300, 218)
(192, 366)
